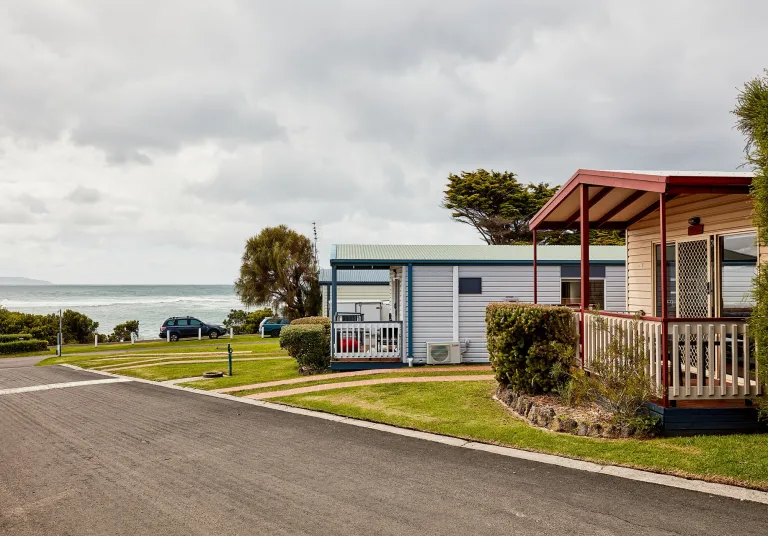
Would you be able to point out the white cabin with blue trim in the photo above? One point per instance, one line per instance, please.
(438, 294)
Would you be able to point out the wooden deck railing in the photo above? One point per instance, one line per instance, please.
(708, 358)
(367, 340)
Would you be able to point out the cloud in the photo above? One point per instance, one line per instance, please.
(200, 126)
(85, 196)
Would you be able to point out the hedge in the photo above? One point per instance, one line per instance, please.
(12, 337)
(531, 347)
(314, 320)
(18, 347)
(308, 343)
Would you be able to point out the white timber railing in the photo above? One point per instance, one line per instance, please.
(707, 359)
(367, 340)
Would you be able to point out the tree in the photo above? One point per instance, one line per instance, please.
(122, 332)
(752, 121)
(499, 208)
(76, 327)
(279, 268)
(243, 322)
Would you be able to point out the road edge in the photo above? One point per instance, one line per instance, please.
(701, 486)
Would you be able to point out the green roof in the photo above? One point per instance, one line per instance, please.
(424, 254)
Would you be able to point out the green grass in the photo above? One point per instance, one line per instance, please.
(244, 344)
(244, 372)
(465, 409)
(321, 381)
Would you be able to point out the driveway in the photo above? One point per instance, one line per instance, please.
(133, 458)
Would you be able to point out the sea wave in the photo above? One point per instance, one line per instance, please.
(211, 301)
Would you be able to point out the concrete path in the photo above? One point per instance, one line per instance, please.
(185, 362)
(136, 458)
(376, 381)
(326, 377)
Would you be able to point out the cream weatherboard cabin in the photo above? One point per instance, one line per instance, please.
(691, 254)
(438, 294)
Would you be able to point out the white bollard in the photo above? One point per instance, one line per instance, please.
(199, 334)
(168, 336)
(231, 333)
(96, 339)
(133, 338)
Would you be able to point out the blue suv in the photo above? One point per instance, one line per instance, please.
(179, 327)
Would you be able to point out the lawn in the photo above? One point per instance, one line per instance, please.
(322, 381)
(245, 372)
(466, 409)
(255, 345)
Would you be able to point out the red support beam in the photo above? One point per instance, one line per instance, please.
(664, 291)
(535, 271)
(584, 229)
(592, 202)
(643, 213)
(621, 206)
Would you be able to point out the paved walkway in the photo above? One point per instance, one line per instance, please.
(326, 377)
(376, 381)
(183, 362)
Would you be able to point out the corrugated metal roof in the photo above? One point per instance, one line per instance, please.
(369, 252)
(360, 277)
(679, 173)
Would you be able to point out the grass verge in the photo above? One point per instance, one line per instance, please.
(244, 371)
(466, 410)
(321, 381)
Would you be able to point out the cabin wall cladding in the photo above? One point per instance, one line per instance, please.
(355, 293)
(432, 307)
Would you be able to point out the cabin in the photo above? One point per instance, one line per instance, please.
(438, 295)
(691, 254)
(356, 290)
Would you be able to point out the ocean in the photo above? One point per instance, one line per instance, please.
(110, 305)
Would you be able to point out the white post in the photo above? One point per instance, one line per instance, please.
(167, 335)
(199, 334)
(95, 339)
(133, 338)
(231, 333)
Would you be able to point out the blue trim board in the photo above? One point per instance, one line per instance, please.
(410, 310)
(334, 299)
(697, 421)
(362, 264)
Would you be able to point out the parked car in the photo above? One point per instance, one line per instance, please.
(271, 326)
(179, 327)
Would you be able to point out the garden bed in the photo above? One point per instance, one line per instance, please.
(548, 412)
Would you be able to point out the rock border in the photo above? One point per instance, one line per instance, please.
(546, 416)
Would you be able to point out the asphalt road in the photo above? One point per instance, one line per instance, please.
(134, 459)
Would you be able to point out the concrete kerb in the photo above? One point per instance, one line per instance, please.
(711, 488)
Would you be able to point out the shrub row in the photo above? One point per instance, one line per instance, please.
(17, 347)
(11, 337)
(308, 341)
(531, 347)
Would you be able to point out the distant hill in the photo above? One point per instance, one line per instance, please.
(20, 281)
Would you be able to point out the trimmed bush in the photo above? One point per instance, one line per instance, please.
(308, 344)
(12, 337)
(18, 347)
(531, 347)
(314, 320)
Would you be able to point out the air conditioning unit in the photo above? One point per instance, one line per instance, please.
(443, 353)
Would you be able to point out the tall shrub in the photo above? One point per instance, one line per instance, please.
(308, 344)
(531, 346)
(752, 121)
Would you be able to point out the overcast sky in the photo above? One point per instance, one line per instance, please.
(143, 141)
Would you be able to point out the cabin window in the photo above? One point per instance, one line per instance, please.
(470, 285)
(737, 254)
(671, 281)
(570, 292)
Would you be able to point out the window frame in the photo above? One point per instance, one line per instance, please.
(578, 281)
